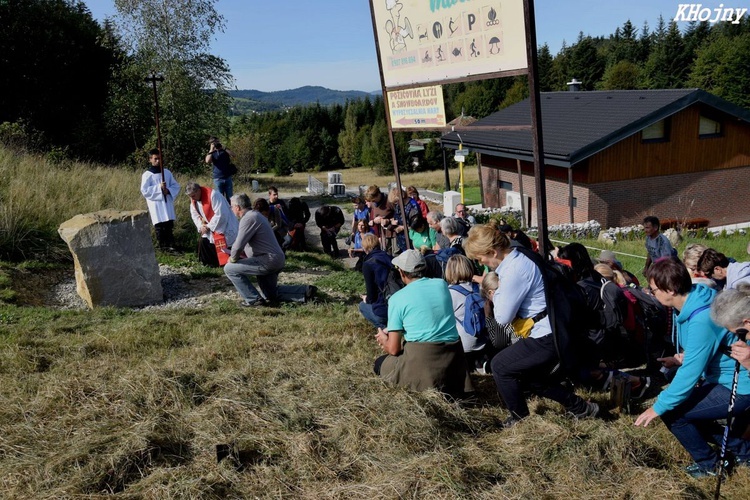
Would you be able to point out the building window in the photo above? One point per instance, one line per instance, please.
(508, 186)
(575, 202)
(709, 128)
(656, 132)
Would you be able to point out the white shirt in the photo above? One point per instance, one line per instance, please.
(161, 210)
(223, 220)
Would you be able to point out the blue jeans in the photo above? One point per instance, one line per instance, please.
(693, 423)
(224, 186)
(239, 274)
(369, 315)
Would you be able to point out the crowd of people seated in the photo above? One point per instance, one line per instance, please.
(687, 335)
(478, 299)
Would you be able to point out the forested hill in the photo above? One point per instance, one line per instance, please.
(256, 100)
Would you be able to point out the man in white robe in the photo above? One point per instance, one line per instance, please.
(213, 218)
(160, 200)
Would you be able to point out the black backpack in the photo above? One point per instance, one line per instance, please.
(566, 309)
(392, 285)
(413, 217)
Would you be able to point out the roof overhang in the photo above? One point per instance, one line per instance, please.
(577, 156)
(554, 160)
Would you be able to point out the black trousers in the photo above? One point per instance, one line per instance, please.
(164, 233)
(330, 246)
(207, 253)
(527, 365)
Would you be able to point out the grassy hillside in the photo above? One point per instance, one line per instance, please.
(259, 101)
(136, 403)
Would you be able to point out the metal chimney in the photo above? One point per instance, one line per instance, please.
(574, 85)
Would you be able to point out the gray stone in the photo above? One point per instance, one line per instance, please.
(607, 238)
(115, 263)
(674, 236)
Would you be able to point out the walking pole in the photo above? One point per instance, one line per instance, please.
(153, 79)
(741, 333)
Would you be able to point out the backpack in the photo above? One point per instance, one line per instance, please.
(413, 214)
(566, 309)
(651, 330)
(654, 314)
(607, 310)
(463, 227)
(474, 322)
(392, 284)
(437, 261)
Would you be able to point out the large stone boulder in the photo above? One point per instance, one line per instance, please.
(115, 263)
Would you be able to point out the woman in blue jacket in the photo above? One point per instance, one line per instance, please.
(375, 269)
(689, 412)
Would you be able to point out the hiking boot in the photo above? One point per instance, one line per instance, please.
(697, 471)
(310, 292)
(253, 303)
(591, 411)
(509, 422)
(482, 368)
(637, 391)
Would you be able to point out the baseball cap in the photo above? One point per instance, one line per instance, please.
(410, 261)
(607, 255)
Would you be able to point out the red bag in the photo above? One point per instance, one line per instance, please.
(221, 249)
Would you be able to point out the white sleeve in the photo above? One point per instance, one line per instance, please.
(149, 189)
(218, 207)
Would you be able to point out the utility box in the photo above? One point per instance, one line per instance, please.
(337, 189)
(450, 200)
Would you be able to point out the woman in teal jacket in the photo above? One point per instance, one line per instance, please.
(689, 412)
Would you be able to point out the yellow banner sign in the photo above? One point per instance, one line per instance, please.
(417, 108)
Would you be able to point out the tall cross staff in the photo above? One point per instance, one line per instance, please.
(153, 79)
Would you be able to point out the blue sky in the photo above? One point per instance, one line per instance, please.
(284, 44)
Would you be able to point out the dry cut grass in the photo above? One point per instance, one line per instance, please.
(114, 402)
(135, 404)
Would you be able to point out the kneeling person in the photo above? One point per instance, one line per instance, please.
(421, 314)
(264, 257)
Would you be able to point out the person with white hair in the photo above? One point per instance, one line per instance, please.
(731, 309)
(215, 223)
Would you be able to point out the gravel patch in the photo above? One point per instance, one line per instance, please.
(180, 291)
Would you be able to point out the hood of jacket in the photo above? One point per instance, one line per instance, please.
(379, 255)
(736, 272)
(699, 296)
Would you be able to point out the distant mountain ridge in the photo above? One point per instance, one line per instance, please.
(256, 100)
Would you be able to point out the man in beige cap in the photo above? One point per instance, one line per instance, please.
(421, 314)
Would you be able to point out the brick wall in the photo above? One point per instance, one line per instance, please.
(557, 193)
(721, 196)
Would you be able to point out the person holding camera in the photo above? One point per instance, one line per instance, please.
(223, 168)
